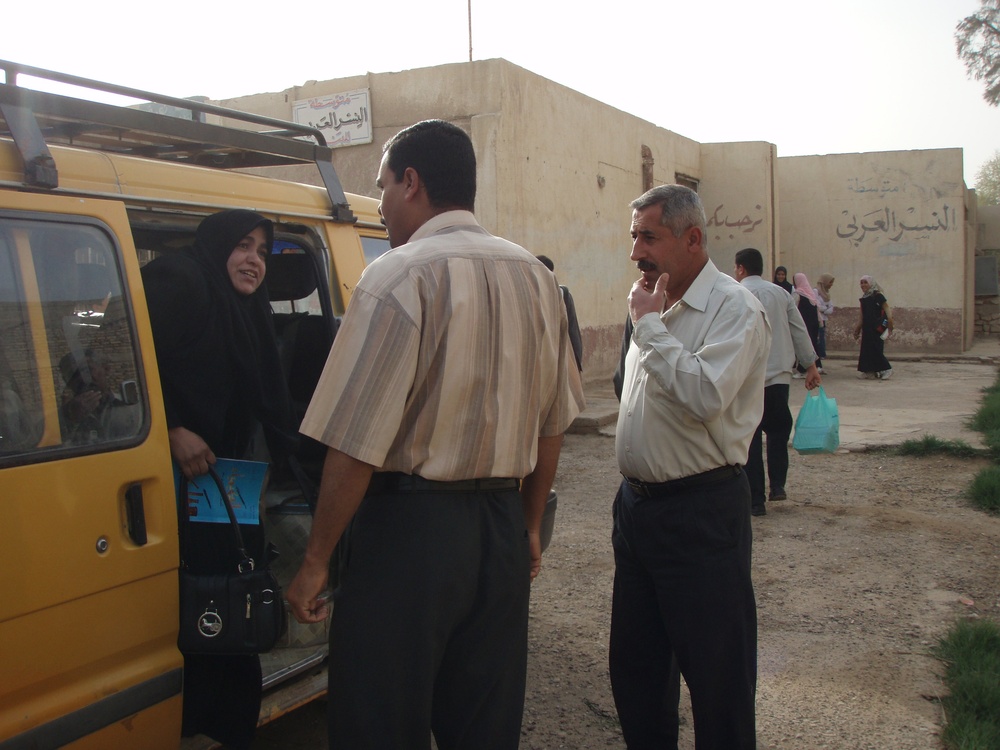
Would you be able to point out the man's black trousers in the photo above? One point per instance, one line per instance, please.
(776, 423)
(682, 585)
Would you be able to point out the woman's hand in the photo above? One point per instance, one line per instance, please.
(190, 452)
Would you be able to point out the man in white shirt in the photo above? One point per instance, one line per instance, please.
(789, 342)
(692, 397)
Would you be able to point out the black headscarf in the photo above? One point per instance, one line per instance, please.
(786, 284)
(216, 348)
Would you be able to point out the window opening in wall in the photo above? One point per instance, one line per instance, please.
(686, 180)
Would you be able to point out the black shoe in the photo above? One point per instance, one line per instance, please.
(778, 493)
(758, 510)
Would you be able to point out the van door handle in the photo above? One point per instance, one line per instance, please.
(135, 515)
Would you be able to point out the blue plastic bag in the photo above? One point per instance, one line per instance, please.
(817, 428)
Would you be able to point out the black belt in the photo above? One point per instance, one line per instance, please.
(394, 481)
(658, 489)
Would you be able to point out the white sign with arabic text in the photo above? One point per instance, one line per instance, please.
(344, 119)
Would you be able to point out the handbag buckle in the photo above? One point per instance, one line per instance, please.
(209, 623)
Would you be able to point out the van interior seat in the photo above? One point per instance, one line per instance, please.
(289, 277)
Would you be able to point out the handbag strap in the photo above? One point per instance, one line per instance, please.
(246, 562)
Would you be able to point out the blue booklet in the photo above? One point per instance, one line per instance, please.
(244, 482)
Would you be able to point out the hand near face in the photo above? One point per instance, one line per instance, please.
(642, 300)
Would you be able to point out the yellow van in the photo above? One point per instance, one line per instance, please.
(88, 544)
(89, 193)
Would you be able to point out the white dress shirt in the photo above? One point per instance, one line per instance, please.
(694, 382)
(789, 338)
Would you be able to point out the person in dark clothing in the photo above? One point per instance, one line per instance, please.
(781, 278)
(218, 365)
(575, 339)
(874, 326)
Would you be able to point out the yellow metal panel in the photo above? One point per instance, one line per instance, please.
(85, 612)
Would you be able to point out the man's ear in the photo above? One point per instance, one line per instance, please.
(694, 237)
(411, 183)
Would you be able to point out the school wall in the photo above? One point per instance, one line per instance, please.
(899, 216)
(556, 170)
(737, 191)
(988, 228)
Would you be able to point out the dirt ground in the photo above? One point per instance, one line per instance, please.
(857, 575)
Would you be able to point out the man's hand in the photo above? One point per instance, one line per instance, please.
(642, 301)
(341, 490)
(535, 545)
(813, 378)
(304, 594)
(191, 453)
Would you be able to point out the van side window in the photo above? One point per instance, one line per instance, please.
(71, 355)
(20, 397)
(373, 247)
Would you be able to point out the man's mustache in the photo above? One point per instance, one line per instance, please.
(645, 265)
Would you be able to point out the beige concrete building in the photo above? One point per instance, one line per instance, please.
(898, 216)
(557, 171)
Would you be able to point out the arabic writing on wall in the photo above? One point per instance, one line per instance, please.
(887, 223)
(343, 118)
(744, 224)
(865, 186)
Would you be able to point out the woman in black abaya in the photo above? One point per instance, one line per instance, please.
(873, 328)
(218, 365)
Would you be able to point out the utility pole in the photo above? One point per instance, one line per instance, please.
(470, 30)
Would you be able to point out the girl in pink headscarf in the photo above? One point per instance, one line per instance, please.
(806, 299)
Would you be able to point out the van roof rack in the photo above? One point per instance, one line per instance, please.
(34, 119)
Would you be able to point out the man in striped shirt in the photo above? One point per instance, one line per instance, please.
(443, 405)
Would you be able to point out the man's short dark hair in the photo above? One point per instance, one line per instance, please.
(442, 154)
(751, 260)
(547, 262)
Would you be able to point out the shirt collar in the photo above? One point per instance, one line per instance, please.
(443, 221)
(697, 294)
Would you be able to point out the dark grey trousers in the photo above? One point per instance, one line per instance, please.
(429, 628)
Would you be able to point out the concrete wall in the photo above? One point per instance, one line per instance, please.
(898, 216)
(988, 227)
(556, 171)
(738, 190)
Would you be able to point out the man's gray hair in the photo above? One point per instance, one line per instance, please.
(681, 208)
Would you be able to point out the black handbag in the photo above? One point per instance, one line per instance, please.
(238, 612)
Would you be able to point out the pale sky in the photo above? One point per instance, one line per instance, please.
(812, 78)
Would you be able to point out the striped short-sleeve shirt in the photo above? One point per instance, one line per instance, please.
(452, 359)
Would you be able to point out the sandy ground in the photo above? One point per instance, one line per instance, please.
(857, 575)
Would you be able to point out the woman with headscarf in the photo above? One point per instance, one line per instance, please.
(809, 310)
(781, 278)
(825, 309)
(218, 364)
(874, 326)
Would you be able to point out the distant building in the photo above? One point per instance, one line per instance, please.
(557, 171)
